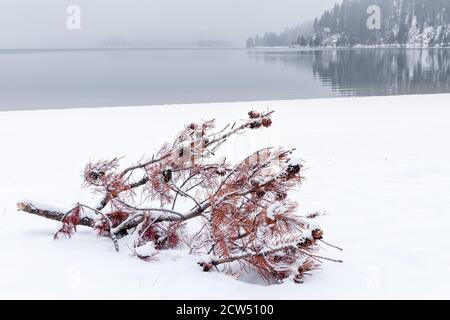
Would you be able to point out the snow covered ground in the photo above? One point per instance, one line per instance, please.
(379, 166)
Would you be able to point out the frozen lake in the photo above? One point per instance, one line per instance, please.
(41, 79)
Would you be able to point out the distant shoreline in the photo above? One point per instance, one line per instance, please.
(110, 49)
(286, 48)
(347, 48)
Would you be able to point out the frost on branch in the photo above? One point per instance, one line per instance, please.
(247, 221)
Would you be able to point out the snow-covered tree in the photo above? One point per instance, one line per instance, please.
(246, 219)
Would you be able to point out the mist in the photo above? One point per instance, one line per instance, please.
(155, 23)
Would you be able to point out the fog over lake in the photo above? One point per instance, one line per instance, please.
(155, 23)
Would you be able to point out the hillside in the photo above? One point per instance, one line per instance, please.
(415, 23)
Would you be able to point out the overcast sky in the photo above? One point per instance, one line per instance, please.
(159, 23)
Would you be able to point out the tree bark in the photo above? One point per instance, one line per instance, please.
(52, 215)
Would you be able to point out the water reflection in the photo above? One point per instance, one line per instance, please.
(366, 72)
(96, 78)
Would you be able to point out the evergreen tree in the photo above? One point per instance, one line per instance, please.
(250, 42)
(418, 22)
(303, 41)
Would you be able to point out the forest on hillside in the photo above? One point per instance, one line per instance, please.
(402, 22)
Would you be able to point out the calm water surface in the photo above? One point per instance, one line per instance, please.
(42, 79)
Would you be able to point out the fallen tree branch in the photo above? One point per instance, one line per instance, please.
(51, 214)
(245, 216)
(110, 225)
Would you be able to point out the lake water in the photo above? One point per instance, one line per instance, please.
(42, 79)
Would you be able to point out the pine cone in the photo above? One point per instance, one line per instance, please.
(266, 122)
(260, 193)
(317, 234)
(206, 266)
(293, 169)
(94, 175)
(254, 114)
(167, 175)
(279, 196)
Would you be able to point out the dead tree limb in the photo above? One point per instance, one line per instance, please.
(52, 214)
(246, 217)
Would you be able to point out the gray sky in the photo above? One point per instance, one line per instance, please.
(159, 23)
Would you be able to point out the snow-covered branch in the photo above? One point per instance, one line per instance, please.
(246, 218)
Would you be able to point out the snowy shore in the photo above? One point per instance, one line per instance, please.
(380, 168)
